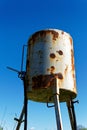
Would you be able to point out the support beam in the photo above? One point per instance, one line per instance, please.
(20, 120)
(72, 117)
(25, 104)
(57, 106)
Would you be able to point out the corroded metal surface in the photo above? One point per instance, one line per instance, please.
(50, 55)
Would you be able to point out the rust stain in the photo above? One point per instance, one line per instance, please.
(73, 67)
(34, 37)
(51, 69)
(74, 88)
(73, 75)
(31, 41)
(62, 32)
(44, 81)
(42, 34)
(52, 55)
(70, 40)
(55, 34)
(66, 70)
(72, 59)
(60, 76)
(60, 52)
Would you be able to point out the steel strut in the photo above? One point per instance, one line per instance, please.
(25, 104)
(57, 106)
(20, 120)
(70, 106)
(21, 75)
(24, 110)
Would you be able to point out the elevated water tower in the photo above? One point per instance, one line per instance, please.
(50, 73)
(50, 60)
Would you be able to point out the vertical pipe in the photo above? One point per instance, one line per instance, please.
(25, 122)
(71, 111)
(25, 105)
(74, 117)
(22, 60)
(57, 106)
(70, 114)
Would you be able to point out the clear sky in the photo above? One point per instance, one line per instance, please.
(18, 20)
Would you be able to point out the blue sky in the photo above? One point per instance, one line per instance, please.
(18, 20)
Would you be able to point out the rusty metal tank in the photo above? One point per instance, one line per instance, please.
(50, 55)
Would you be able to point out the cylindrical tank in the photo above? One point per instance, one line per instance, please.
(50, 56)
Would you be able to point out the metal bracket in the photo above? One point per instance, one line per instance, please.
(18, 120)
(77, 101)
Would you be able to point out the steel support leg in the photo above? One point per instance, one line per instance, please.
(71, 111)
(57, 106)
(25, 105)
(20, 120)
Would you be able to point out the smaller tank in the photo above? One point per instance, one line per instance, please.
(50, 55)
